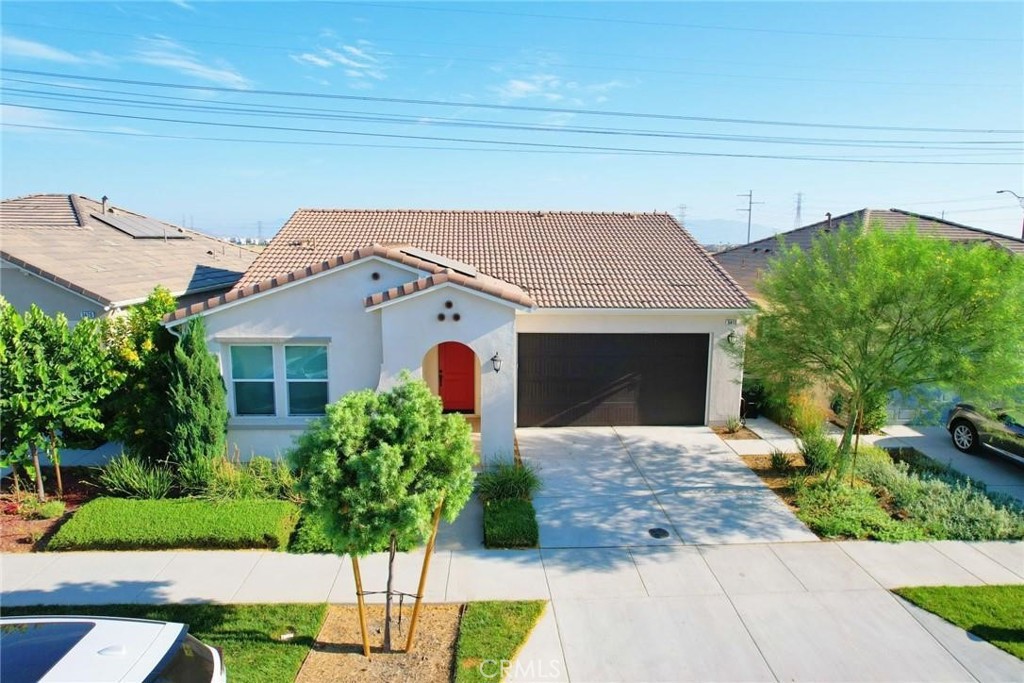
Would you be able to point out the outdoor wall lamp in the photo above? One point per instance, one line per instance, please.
(731, 338)
(496, 361)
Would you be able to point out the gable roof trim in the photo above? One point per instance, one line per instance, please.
(393, 255)
(509, 295)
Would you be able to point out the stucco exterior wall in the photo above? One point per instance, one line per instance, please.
(22, 289)
(410, 329)
(724, 377)
(329, 309)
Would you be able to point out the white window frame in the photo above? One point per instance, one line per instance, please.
(326, 381)
(282, 409)
(272, 381)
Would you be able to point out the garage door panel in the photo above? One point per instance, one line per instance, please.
(612, 379)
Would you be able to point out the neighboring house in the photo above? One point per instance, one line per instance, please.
(512, 317)
(746, 262)
(86, 259)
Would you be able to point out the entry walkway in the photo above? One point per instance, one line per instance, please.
(787, 611)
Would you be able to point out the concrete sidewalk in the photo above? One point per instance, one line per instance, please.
(788, 611)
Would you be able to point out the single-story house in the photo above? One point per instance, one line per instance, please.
(85, 258)
(746, 262)
(528, 318)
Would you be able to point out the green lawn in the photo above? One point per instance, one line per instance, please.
(126, 524)
(995, 613)
(492, 633)
(248, 634)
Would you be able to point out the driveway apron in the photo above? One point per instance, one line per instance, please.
(617, 486)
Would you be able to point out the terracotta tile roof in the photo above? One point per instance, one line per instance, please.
(746, 261)
(58, 237)
(560, 259)
(438, 274)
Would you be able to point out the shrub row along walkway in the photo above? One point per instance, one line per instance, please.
(787, 611)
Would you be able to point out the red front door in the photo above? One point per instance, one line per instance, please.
(455, 376)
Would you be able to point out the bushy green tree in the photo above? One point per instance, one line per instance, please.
(376, 467)
(52, 379)
(867, 312)
(140, 346)
(196, 404)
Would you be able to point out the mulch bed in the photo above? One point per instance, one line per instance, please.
(773, 479)
(20, 535)
(337, 654)
(743, 434)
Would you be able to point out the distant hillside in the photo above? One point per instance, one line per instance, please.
(716, 231)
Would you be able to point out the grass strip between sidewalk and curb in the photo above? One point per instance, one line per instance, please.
(490, 636)
(125, 524)
(995, 613)
(249, 635)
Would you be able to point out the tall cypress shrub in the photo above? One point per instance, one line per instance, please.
(197, 407)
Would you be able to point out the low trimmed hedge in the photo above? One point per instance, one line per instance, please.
(310, 536)
(125, 524)
(510, 524)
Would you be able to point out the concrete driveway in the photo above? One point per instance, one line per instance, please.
(610, 486)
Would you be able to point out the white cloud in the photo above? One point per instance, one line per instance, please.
(19, 47)
(358, 63)
(310, 58)
(542, 86)
(166, 53)
(183, 5)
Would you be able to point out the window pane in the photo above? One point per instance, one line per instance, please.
(252, 362)
(254, 398)
(306, 362)
(307, 398)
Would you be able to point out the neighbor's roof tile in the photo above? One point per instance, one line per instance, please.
(57, 237)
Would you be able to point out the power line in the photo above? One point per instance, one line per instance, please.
(506, 107)
(196, 104)
(750, 209)
(645, 57)
(517, 143)
(591, 67)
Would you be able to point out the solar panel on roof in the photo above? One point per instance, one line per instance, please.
(141, 228)
(457, 266)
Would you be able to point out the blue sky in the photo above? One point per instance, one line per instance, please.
(263, 108)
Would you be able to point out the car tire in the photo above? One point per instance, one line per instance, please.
(965, 436)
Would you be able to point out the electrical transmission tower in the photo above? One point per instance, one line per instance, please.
(750, 209)
(798, 219)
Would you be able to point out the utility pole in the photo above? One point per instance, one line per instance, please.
(750, 209)
(1020, 200)
(798, 219)
(259, 232)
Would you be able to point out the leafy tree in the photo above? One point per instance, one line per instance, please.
(196, 404)
(52, 380)
(375, 468)
(867, 312)
(136, 411)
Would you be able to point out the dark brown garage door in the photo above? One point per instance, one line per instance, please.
(612, 379)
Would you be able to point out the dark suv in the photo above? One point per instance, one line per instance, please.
(972, 430)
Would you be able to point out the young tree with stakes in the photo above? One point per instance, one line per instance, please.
(868, 312)
(52, 380)
(380, 470)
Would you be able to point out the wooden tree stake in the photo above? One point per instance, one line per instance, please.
(423, 577)
(362, 606)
